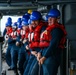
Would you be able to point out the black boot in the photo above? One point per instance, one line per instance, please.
(9, 69)
(16, 72)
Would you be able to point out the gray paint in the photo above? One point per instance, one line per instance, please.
(0, 60)
(70, 25)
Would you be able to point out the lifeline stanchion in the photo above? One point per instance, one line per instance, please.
(0, 60)
(39, 72)
(1, 40)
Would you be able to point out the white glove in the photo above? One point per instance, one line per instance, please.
(24, 41)
(17, 43)
(34, 53)
(27, 47)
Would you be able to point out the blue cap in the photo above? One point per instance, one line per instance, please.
(35, 16)
(8, 24)
(9, 19)
(55, 13)
(25, 22)
(20, 27)
(25, 17)
(14, 25)
(27, 14)
(19, 21)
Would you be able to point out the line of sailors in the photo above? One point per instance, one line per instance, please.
(34, 46)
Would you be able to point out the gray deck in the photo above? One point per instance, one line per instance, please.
(5, 67)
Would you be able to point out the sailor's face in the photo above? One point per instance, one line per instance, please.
(52, 21)
(35, 23)
(24, 27)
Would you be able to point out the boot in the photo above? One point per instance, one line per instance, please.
(16, 72)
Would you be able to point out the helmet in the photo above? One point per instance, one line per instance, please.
(9, 19)
(8, 24)
(14, 25)
(19, 27)
(19, 21)
(29, 11)
(54, 13)
(26, 16)
(35, 15)
(25, 22)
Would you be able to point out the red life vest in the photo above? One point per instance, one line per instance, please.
(34, 36)
(19, 31)
(22, 33)
(13, 34)
(9, 31)
(26, 37)
(45, 37)
(27, 32)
